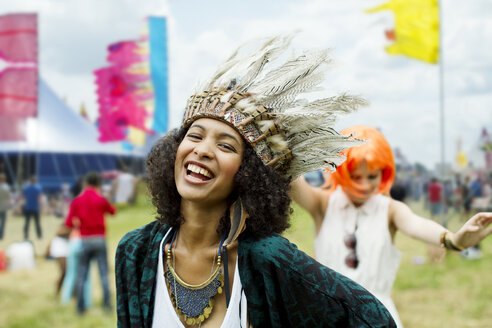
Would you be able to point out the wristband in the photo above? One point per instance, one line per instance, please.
(447, 242)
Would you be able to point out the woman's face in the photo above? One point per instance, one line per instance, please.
(207, 160)
(367, 181)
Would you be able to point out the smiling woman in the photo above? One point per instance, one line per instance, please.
(252, 181)
(206, 161)
(213, 257)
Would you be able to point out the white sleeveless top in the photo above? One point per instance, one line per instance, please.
(165, 315)
(379, 259)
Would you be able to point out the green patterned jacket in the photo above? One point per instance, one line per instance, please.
(284, 286)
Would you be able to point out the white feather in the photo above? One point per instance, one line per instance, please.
(307, 126)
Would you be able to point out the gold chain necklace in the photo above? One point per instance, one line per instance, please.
(193, 302)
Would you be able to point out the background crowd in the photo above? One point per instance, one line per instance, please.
(79, 237)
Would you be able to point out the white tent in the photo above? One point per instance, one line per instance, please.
(59, 129)
(60, 146)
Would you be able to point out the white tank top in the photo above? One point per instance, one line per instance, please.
(379, 259)
(165, 315)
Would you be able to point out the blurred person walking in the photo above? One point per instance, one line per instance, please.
(436, 200)
(476, 187)
(398, 190)
(124, 187)
(434, 191)
(72, 267)
(417, 186)
(32, 207)
(447, 202)
(458, 196)
(5, 198)
(467, 197)
(58, 250)
(76, 187)
(475, 192)
(487, 189)
(89, 209)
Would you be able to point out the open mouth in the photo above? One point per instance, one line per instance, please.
(198, 172)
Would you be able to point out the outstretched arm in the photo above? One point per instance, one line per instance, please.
(313, 200)
(413, 225)
(470, 234)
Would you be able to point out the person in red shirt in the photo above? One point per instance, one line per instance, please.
(434, 192)
(87, 211)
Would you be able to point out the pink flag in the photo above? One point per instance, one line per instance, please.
(112, 126)
(125, 53)
(12, 128)
(18, 65)
(120, 95)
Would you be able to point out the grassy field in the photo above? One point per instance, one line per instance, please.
(454, 293)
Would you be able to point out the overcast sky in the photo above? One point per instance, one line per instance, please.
(403, 93)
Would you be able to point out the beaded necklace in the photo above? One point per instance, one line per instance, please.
(193, 302)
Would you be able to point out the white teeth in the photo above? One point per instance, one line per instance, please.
(199, 170)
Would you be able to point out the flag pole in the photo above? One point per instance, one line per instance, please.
(441, 116)
(441, 92)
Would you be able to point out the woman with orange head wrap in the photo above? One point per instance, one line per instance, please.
(357, 221)
(375, 155)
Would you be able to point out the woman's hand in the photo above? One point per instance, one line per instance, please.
(473, 231)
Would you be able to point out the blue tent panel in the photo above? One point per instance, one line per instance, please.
(55, 169)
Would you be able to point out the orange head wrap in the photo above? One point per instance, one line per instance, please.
(377, 154)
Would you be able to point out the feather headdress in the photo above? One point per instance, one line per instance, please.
(292, 135)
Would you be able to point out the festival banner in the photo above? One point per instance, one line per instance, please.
(119, 105)
(416, 31)
(159, 69)
(12, 128)
(18, 73)
(129, 109)
(118, 93)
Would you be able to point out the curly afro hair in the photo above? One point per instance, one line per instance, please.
(264, 192)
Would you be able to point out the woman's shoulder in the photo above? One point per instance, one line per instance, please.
(265, 246)
(275, 252)
(142, 235)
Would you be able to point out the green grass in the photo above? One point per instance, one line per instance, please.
(453, 293)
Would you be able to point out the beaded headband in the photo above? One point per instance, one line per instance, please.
(292, 135)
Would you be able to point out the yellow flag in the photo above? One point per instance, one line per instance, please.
(461, 160)
(416, 28)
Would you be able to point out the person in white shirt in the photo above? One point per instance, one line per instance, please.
(124, 187)
(357, 222)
